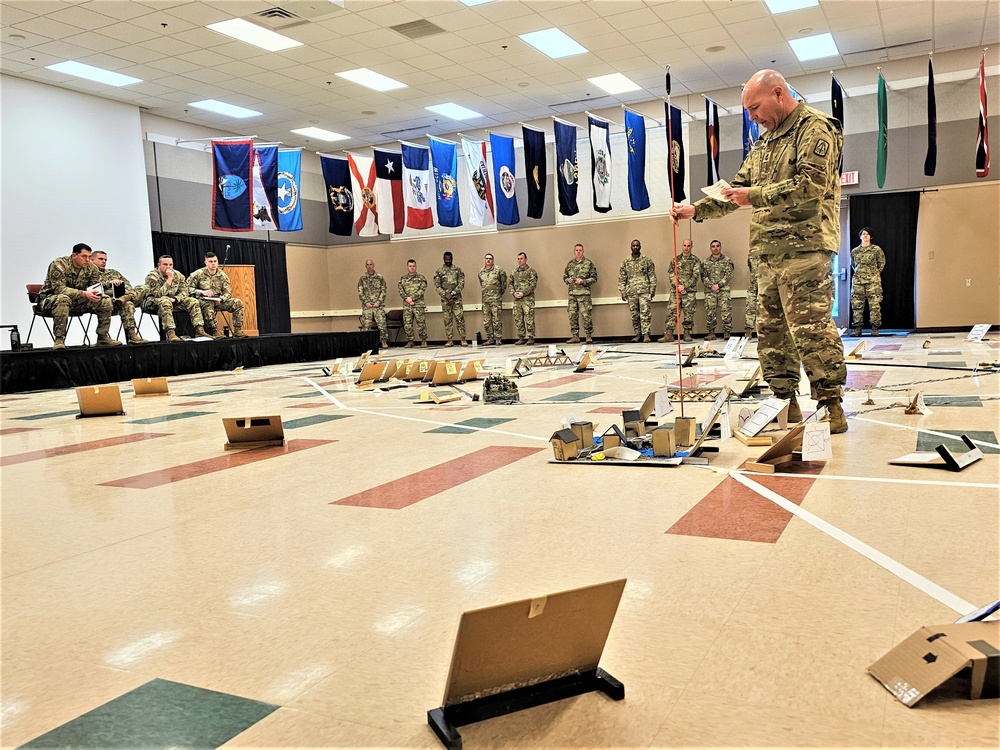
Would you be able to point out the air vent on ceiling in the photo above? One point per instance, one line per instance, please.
(276, 13)
(417, 29)
(591, 102)
(287, 13)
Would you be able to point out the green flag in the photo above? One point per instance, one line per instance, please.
(883, 133)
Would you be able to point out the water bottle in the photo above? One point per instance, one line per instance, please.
(226, 332)
(15, 339)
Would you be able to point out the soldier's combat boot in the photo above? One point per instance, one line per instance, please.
(646, 339)
(106, 340)
(834, 415)
(134, 337)
(200, 332)
(637, 338)
(449, 342)
(409, 345)
(794, 410)
(463, 342)
(667, 337)
(748, 333)
(710, 336)
(726, 335)
(589, 340)
(529, 342)
(59, 342)
(240, 334)
(857, 332)
(686, 336)
(172, 335)
(874, 331)
(423, 343)
(519, 342)
(574, 339)
(488, 342)
(384, 344)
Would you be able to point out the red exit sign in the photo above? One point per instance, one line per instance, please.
(849, 178)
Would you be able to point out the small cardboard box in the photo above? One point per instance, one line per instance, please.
(584, 431)
(613, 437)
(936, 653)
(685, 429)
(663, 442)
(635, 426)
(564, 445)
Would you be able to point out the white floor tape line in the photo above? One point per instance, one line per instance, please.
(921, 429)
(888, 480)
(913, 578)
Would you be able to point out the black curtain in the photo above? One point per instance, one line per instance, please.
(267, 258)
(892, 218)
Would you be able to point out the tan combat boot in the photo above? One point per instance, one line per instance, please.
(449, 342)
(857, 332)
(834, 415)
(200, 332)
(529, 342)
(574, 339)
(666, 338)
(134, 337)
(519, 341)
(637, 338)
(710, 336)
(424, 343)
(463, 342)
(686, 336)
(172, 335)
(748, 333)
(646, 339)
(874, 331)
(59, 342)
(239, 334)
(409, 345)
(106, 340)
(589, 340)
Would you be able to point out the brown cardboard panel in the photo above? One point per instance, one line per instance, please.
(565, 444)
(252, 432)
(472, 368)
(432, 366)
(780, 452)
(372, 371)
(361, 361)
(663, 442)
(584, 431)
(446, 372)
(150, 387)
(99, 400)
(684, 431)
(528, 641)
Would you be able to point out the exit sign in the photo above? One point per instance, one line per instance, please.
(849, 178)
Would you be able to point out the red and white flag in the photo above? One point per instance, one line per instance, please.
(389, 191)
(481, 207)
(365, 202)
(712, 139)
(983, 141)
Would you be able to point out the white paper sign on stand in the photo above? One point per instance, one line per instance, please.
(977, 332)
(579, 355)
(734, 347)
(661, 403)
(766, 413)
(553, 350)
(816, 442)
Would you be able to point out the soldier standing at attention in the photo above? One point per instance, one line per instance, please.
(580, 275)
(867, 262)
(449, 281)
(637, 286)
(122, 305)
(683, 281)
(792, 181)
(66, 290)
(167, 288)
(210, 287)
(371, 293)
(750, 309)
(411, 288)
(716, 275)
(493, 280)
(523, 281)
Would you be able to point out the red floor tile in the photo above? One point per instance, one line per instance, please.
(91, 445)
(559, 381)
(15, 430)
(860, 379)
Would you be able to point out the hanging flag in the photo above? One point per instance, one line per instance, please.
(389, 191)
(365, 199)
(445, 169)
(983, 138)
(567, 171)
(231, 199)
(265, 187)
(417, 186)
(676, 171)
(837, 102)
(712, 140)
(751, 132)
(340, 196)
(481, 211)
(600, 162)
(882, 155)
(534, 169)
(795, 94)
(635, 136)
(502, 147)
(930, 161)
(289, 174)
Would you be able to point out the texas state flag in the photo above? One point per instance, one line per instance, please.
(389, 191)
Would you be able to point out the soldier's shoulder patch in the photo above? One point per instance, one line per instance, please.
(59, 267)
(822, 148)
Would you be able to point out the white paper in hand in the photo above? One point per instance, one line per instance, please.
(715, 191)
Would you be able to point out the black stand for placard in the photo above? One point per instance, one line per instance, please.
(445, 720)
(81, 415)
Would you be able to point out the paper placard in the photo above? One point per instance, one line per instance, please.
(715, 191)
(552, 350)
(451, 368)
(661, 403)
(509, 367)
(579, 355)
(977, 332)
(816, 442)
(766, 413)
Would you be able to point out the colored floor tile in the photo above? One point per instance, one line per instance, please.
(48, 415)
(457, 429)
(194, 403)
(169, 417)
(159, 714)
(957, 364)
(885, 347)
(927, 442)
(66, 450)
(573, 396)
(411, 489)
(292, 424)
(313, 393)
(859, 379)
(216, 392)
(15, 430)
(953, 401)
(559, 381)
(610, 409)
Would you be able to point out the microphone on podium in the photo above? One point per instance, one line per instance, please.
(225, 257)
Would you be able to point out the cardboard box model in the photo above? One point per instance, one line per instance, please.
(936, 653)
(635, 426)
(613, 437)
(565, 445)
(663, 442)
(584, 431)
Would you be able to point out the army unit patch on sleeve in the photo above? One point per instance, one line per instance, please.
(822, 148)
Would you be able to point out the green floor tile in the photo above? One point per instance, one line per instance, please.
(159, 714)
(307, 394)
(170, 417)
(291, 424)
(574, 396)
(948, 364)
(49, 414)
(953, 401)
(215, 393)
(456, 429)
(927, 442)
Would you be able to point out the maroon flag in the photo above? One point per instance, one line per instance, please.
(712, 139)
(983, 141)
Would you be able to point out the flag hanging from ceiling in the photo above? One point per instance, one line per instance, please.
(365, 199)
(534, 170)
(502, 147)
(417, 186)
(600, 162)
(481, 211)
(882, 155)
(339, 194)
(389, 191)
(289, 174)
(983, 137)
(751, 132)
(635, 136)
(795, 94)
(712, 140)
(676, 171)
(265, 187)
(231, 198)
(930, 161)
(837, 103)
(445, 160)
(567, 171)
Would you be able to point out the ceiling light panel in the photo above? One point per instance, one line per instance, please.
(323, 135)
(221, 108)
(786, 6)
(814, 47)
(251, 33)
(615, 83)
(372, 80)
(454, 111)
(91, 73)
(554, 43)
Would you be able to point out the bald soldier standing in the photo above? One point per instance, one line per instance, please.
(791, 180)
(371, 293)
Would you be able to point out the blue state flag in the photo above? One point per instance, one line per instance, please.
(231, 196)
(265, 187)
(567, 171)
(635, 134)
(751, 132)
(339, 194)
(444, 156)
(676, 169)
(504, 178)
(289, 174)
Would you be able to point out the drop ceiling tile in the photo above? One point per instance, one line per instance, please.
(13, 16)
(673, 11)
(96, 42)
(35, 7)
(13, 66)
(45, 27)
(484, 34)
(80, 17)
(200, 14)
(62, 50)
(391, 15)
(737, 13)
(238, 69)
(459, 20)
(152, 88)
(503, 10)
(138, 54)
(202, 38)
(859, 40)
(163, 23)
(123, 11)
(567, 14)
(348, 25)
(634, 19)
(707, 38)
(607, 40)
(176, 65)
(206, 58)
(129, 32)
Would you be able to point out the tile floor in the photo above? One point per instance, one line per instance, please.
(315, 589)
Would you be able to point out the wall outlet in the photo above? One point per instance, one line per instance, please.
(968, 282)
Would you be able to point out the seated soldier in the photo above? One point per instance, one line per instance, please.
(70, 288)
(166, 289)
(210, 287)
(123, 296)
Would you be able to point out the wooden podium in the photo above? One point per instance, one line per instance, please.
(244, 287)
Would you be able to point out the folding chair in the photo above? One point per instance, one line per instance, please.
(36, 313)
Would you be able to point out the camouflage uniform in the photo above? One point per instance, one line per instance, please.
(718, 271)
(637, 283)
(218, 285)
(494, 283)
(690, 272)
(451, 279)
(524, 280)
(750, 309)
(372, 288)
(580, 305)
(157, 287)
(413, 286)
(866, 284)
(62, 294)
(123, 306)
(795, 232)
